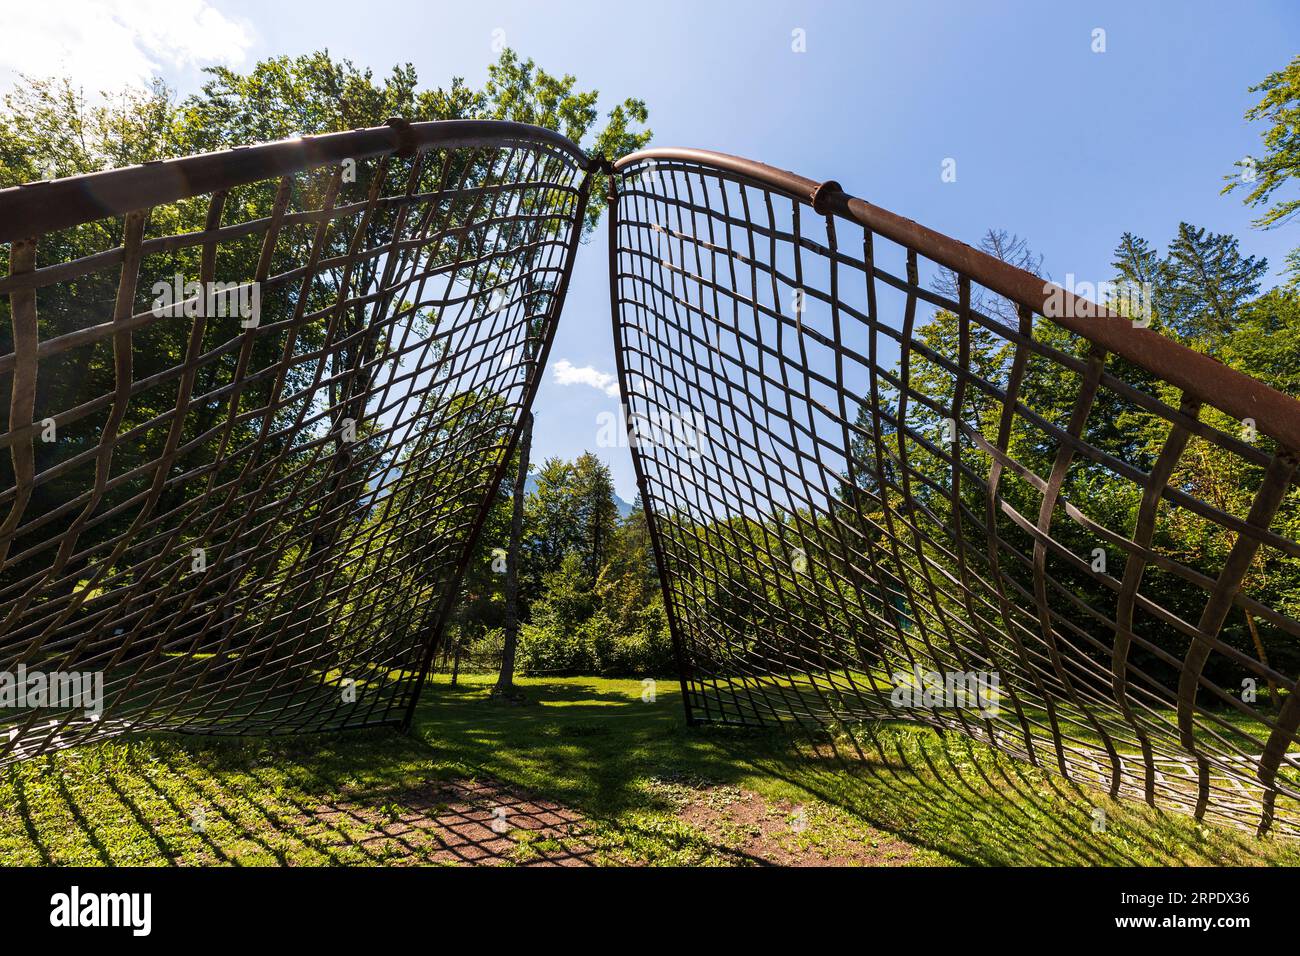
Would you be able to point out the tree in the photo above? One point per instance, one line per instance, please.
(505, 686)
(1135, 261)
(1204, 281)
(1009, 248)
(1265, 175)
(520, 91)
(1265, 343)
(595, 511)
(1137, 270)
(631, 554)
(552, 523)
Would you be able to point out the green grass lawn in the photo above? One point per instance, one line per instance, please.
(584, 772)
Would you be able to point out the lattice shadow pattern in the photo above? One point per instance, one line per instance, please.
(857, 483)
(260, 521)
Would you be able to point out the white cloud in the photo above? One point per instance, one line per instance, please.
(566, 373)
(104, 45)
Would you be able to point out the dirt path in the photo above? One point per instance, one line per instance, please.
(757, 831)
(488, 823)
(461, 822)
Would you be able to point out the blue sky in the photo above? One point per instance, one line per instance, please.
(1066, 147)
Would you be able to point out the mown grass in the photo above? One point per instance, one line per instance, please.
(593, 745)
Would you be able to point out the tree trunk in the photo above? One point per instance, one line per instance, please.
(1274, 698)
(455, 658)
(505, 681)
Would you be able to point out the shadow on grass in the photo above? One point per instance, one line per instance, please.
(595, 743)
(568, 778)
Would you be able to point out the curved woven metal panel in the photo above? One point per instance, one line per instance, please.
(1058, 529)
(259, 404)
(261, 400)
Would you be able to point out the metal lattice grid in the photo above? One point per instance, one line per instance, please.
(856, 484)
(259, 523)
(848, 475)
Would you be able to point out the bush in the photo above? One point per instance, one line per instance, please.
(645, 647)
(550, 649)
(485, 650)
(599, 646)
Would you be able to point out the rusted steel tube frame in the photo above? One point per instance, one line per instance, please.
(37, 208)
(704, 371)
(1198, 375)
(40, 209)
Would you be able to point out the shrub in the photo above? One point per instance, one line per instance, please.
(548, 648)
(599, 645)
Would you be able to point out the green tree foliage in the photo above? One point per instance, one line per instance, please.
(1205, 293)
(593, 599)
(1263, 176)
(1203, 283)
(552, 529)
(518, 90)
(594, 511)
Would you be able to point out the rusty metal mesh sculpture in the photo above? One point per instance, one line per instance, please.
(309, 361)
(994, 508)
(857, 478)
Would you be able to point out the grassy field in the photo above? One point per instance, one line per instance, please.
(584, 772)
